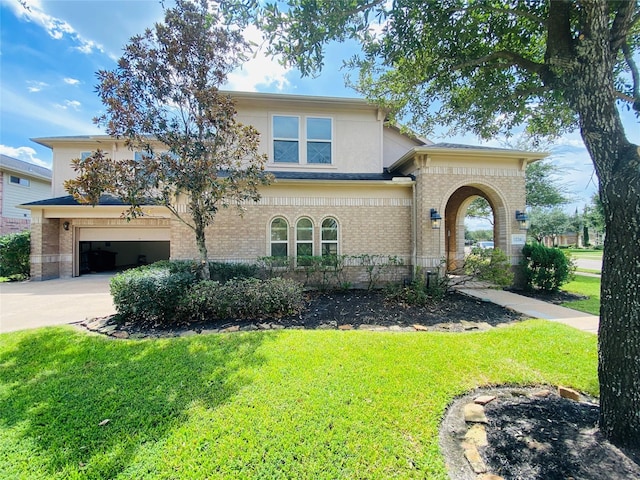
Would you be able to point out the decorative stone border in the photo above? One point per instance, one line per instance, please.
(465, 432)
(105, 326)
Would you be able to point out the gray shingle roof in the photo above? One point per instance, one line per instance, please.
(24, 167)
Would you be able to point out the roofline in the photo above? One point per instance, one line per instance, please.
(399, 181)
(530, 157)
(27, 173)
(314, 99)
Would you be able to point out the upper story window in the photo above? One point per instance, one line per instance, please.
(25, 182)
(279, 238)
(286, 144)
(309, 145)
(319, 140)
(139, 156)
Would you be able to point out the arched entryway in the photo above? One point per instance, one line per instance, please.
(455, 212)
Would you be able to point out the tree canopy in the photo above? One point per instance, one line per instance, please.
(164, 100)
(486, 67)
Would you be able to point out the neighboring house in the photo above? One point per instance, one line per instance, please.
(346, 182)
(20, 182)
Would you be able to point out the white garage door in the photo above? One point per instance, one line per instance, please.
(123, 234)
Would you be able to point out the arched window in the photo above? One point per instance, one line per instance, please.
(304, 238)
(279, 238)
(329, 237)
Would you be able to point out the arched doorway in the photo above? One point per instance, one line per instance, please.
(455, 212)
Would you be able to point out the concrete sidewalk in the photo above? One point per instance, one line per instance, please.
(535, 308)
(54, 302)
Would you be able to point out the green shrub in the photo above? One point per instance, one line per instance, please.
(151, 293)
(426, 287)
(14, 254)
(248, 298)
(546, 268)
(223, 272)
(491, 265)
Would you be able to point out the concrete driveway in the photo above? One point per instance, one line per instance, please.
(54, 302)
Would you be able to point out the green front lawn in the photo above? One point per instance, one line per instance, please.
(585, 253)
(263, 405)
(589, 286)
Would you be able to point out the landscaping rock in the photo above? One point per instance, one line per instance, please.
(120, 334)
(345, 327)
(569, 393)
(477, 435)
(474, 413)
(420, 328)
(475, 460)
(484, 399)
(232, 328)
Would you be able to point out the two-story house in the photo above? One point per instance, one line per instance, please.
(20, 182)
(346, 182)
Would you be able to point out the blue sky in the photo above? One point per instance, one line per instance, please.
(50, 53)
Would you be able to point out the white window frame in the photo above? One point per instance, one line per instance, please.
(278, 242)
(302, 140)
(286, 139)
(304, 242)
(308, 139)
(324, 242)
(22, 182)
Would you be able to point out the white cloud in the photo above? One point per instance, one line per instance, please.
(26, 154)
(33, 11)
(35, 86)
(260, 70)
(62, 122)
(71, 81)
(72, 104)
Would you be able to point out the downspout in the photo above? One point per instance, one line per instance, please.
(414, 230)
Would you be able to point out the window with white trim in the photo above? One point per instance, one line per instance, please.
(319, 140)
(311, 145)
(286, 139)
(304, 240)
(279, 237)
(329, 239)
(23, 182)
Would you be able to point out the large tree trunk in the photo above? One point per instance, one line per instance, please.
(617, 163)
(199, 230)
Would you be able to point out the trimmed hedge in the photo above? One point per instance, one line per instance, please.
(546, 268)
(248, 298)
(151, 293)
(15, 249)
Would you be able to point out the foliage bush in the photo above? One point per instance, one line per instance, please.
(151, 293)
(491, 265)
(546, 268)
(248, 298)
(223, 272)
(425, 288)
(15, 249)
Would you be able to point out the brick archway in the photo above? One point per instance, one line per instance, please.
(455, 211)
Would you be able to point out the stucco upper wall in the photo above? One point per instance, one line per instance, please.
(395, 145)
(66, 149)
(356, 129)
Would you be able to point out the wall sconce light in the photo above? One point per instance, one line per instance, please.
(65, 225)
(436, 219)
(522, 219)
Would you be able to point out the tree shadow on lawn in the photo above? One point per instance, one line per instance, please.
(60, 387)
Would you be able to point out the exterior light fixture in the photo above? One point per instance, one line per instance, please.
(436, 219)
(65, 225)
(522, 219)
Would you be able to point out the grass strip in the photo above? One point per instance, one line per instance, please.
(283, 404)
(587, 286)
